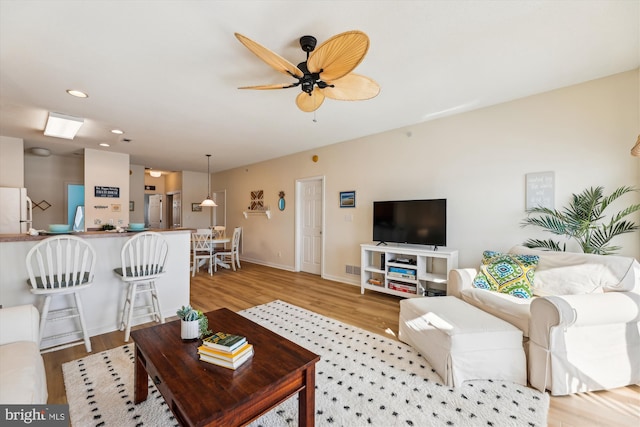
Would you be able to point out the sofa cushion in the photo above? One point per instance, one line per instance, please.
(506, 273)
(503, 306)
(570, 273)
(22, 374)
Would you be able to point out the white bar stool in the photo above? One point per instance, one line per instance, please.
(143, 259)
(57, 266)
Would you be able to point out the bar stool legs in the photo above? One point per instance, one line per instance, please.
(48, 316)
(127, 316)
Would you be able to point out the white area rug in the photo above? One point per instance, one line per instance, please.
(362, 379)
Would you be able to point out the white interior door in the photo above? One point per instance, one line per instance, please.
(176, 210)
(310, 225)
(155, 211)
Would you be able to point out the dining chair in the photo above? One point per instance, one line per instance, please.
(143, 258)
(231, 256)
(201, 249)
(59, 266)
(218, 231)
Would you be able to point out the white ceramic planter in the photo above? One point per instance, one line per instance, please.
(189, 330)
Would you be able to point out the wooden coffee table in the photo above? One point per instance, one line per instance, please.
(201, 394)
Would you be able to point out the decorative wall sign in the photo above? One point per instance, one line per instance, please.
(44, 205)
(257, 200)
(347, 199)
(540, 189)
(101, 191)
(150, 187)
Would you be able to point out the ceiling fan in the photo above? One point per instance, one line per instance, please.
(325, 73)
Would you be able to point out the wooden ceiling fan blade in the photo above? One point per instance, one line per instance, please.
(274, 60)
(309, 103)
(266, 87)
(339, 55)
(352, 87)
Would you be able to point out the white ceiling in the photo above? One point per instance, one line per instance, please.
(167, 72)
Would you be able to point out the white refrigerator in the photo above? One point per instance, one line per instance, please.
(15, 211)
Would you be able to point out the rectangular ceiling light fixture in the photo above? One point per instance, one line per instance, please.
(62, 126)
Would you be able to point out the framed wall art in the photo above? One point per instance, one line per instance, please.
(195, 207)
(347, 199)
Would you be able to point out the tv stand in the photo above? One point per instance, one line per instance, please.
(406, 270)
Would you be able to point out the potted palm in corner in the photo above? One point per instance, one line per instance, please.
(584, 221)
(193, 323)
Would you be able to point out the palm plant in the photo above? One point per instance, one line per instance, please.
(584, 220)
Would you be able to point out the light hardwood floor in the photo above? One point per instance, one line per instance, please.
(378, 313)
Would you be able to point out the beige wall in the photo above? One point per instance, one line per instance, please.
(136, 193)
(11, 162)
(194, 190)
(46, 179)
(106, 169)
(476, 160)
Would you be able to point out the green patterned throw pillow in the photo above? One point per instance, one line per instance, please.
(507, 273)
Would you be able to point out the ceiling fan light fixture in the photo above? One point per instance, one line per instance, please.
(62, 126)
(208, 202)
(328, 68)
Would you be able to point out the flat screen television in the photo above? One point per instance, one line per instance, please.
(419, 222)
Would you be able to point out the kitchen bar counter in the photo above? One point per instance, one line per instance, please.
(85, 234)
(102, 301)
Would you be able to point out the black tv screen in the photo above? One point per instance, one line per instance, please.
(420, 222)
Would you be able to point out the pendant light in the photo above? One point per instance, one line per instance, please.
(208, 202)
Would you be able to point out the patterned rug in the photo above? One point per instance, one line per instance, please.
(362, 379)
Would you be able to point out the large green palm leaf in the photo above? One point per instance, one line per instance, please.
(582, 220)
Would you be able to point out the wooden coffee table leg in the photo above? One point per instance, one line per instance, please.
(140, 385)
(307, 399)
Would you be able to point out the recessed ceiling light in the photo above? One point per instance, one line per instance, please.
(155, 174)
(62, 126)
(117, 131)
(77, 93)
(104, 144)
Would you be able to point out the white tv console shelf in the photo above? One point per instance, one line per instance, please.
(406, 270)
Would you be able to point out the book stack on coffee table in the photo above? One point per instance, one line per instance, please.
(224, 349)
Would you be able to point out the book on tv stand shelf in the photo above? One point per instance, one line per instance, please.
(222, 341)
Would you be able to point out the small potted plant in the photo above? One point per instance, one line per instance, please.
(193, 323)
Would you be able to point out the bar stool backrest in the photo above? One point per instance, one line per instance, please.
(60, 262)
(144, 256)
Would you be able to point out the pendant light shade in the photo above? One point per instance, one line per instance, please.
(208, 202)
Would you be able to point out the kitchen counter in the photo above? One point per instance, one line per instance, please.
(85, 235)
(102, 301)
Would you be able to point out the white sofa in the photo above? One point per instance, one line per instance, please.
(22, 375)
(582, 324)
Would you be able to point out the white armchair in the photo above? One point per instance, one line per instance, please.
(22, 375)
(584, 338)
(584, 342)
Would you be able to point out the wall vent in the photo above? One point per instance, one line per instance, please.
(352, 269)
